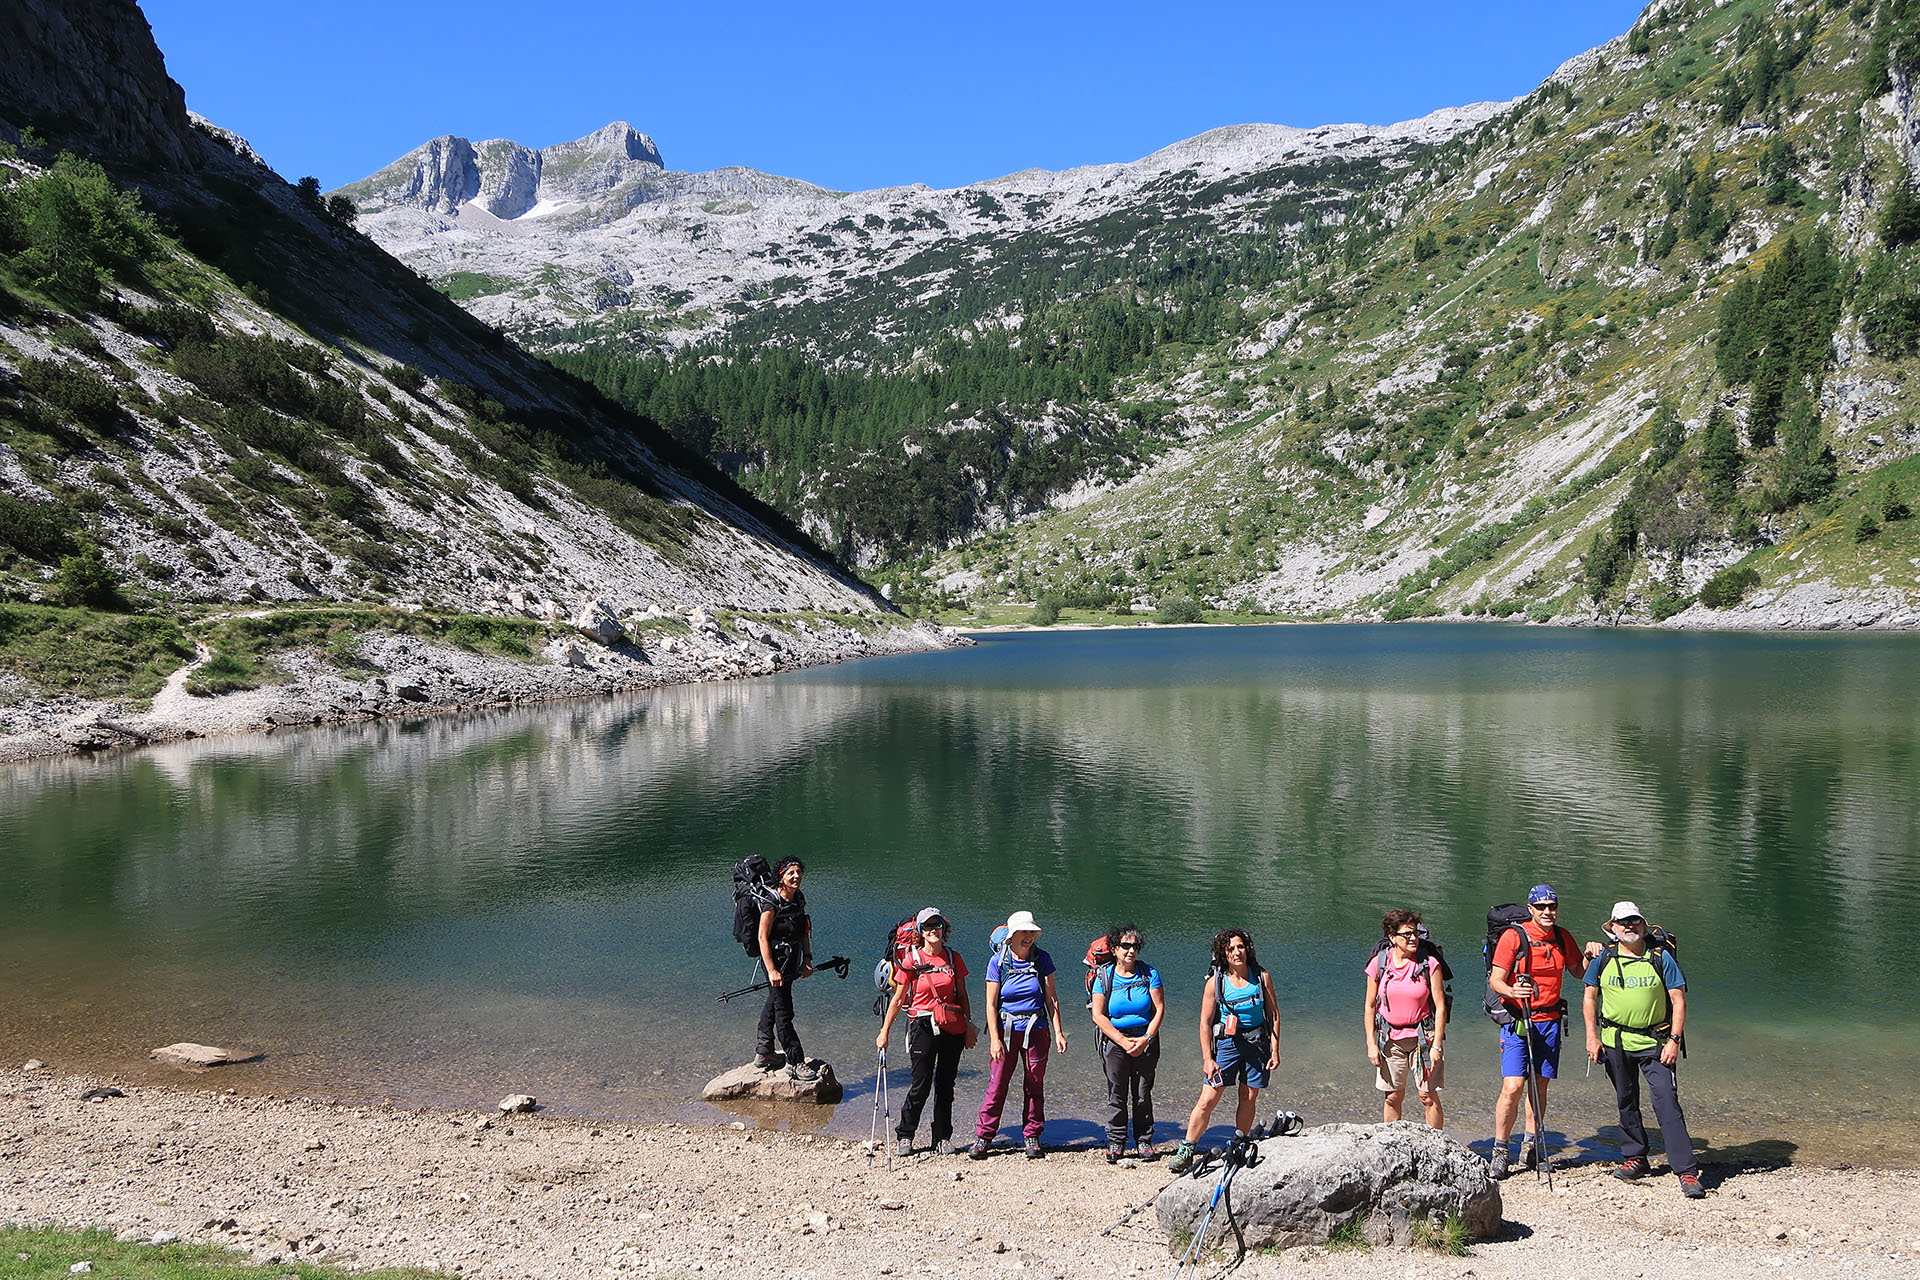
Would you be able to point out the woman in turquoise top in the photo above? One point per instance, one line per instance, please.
(1239, 1037)
(1127, 1007)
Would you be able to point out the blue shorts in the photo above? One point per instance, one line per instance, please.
(1546, 1051)
(1241, 1059)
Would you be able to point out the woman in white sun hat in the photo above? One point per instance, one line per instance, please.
(1022, 1009)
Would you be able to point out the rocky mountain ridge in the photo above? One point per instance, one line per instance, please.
(675, 258)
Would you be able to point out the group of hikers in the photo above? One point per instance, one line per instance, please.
(1634, 1011)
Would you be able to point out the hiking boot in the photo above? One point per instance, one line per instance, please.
(1034, 1150)
(766, 1061)
(1114, 1152)
(945, 1147)
(1182, 1161)
(1499, 1162)
(904, 1148)
(979, 1149)
(1147, 1151)
(802, 1072)
(1632, 1170)
(1690, 1185)
(1529, 1155)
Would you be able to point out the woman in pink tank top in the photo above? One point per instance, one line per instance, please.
(1405, 1018)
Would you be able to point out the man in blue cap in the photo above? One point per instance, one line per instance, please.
(1529, 962)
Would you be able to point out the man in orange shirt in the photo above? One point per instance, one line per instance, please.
(1530, 981)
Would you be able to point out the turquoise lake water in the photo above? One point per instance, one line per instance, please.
(444, 911)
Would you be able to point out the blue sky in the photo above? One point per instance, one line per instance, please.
(849, 95)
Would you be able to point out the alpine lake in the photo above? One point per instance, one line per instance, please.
(443, 911)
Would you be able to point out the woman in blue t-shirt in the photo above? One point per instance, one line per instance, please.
(1239, 1037)
(1022, 1007)
(1128, 1007)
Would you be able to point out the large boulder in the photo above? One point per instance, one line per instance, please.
(774, 1085)
(1387, 1177)
(596, 621)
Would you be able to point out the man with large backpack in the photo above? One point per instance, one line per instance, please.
(1636, 1014)
(1527, 964)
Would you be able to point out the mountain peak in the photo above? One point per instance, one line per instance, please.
(618, 139)
(508, 180)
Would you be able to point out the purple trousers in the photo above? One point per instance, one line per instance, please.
(1028, 1049)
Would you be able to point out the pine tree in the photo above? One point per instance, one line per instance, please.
(1805, 470)
(1893, 504)
(1720, 459)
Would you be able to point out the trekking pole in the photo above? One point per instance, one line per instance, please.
(882, 1110)
(838, 964)
(1243, 1152)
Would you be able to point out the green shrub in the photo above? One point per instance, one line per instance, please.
(1178, 609)
(1868, 528)
(37, 530)
(87, 579)
(1046, 611)
(72, 388)
(1729, 586)
(71, 229)
(407, 378)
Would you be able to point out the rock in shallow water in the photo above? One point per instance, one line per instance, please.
(188, 1054)
(1387, 1177)
(774, 1084)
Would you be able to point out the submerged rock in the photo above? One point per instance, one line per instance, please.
(774, 1085)
(1385, 1177)
(188, 1054)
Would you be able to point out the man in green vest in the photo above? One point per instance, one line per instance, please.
(1636, 1011)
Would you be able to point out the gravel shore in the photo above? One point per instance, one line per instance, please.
(532, 1196)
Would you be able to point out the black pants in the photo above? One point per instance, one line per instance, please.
(1129, 1088)
(936, 1061)
(1624, 1068)
(776, 1017)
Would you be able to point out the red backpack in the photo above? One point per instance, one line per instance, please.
(1099, 956)
(901, 940)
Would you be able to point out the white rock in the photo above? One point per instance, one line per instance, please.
(596, 621)
(79, 1268)
(518, 1102)
(34, 1064)
(164, 1237)
(189, 1054)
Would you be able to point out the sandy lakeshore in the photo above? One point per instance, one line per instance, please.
(531, 1196)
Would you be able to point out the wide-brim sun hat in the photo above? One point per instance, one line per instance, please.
(1022, 922)
(1624, 910)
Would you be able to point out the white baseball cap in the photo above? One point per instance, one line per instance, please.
(1022, 922)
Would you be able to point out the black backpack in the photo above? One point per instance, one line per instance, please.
(1508, 915)
(1424, 951)
(754, 890)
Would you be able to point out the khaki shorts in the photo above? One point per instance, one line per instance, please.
(1397, 1062)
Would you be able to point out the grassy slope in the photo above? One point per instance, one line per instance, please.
(1276, 502)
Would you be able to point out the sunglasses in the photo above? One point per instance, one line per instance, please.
(1546, 906)
(1632, 920)
(1407, 933)
(1129, 946)
(933, 924)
